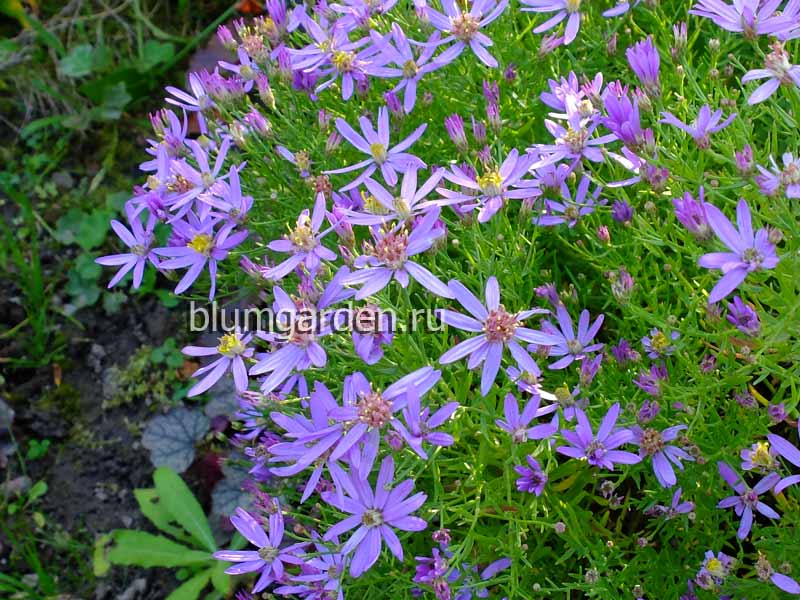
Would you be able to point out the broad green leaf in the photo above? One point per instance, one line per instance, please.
(147, 550)
(184, 507)
(152, 508)
(154, 53)
(92, 229)
(191, 589)
(78, 62)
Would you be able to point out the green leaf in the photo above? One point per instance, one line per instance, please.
(153, 509)
(184, 507)
(86, 268)
(116, 96)
(100, 564)
(92, 229)
(191, 589)
(38, 490)
(154, 53)
(220, 579)
(79, 61)
(148, 550)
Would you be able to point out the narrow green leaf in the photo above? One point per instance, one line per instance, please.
(220, 579)
(148, 550)
(183, 506)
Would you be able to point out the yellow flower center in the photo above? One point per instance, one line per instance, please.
(378, 152)
(343, 61)
(201, 243)
(230, 345)
(491, 183)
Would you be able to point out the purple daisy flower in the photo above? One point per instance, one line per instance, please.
(653, 443)
(420, 424)
(651, 381)
(786, 179)
(777, 71)
(743, 317)
(233, 349)
(571, 209)
(658, 345)
(270, 557)
(599, 450)
(497, 328)
(464, 27)
(566, 342)
(303, 243)
(375, 514)
(196, 182)
(749, 251)
(388, 206)
(517, 425)
(760, 457)
(488, 192)
(531, 478)
(320, 578)
(573, 142)
(376, 332)
(388, 257)
(749, 17)
(300, 348)
(675, 508)
(643, 59)
(702, 127)
(139, 240)
(376, 145)
(564, 9)
(198, 101)
(746, 499)
(410, 68)
(199, 245)
(692, 214)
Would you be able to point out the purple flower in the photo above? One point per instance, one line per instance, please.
(749, 252)
(744, 160)
(568, 343)
(746, 499)
(199, 245)
(643, 59)
(139, 240)
(303, 243)
(375, 514)
(387, 258)
(622, 7)
(599, 450)
(790, 452)
(777, 71)
(384, 206)
(410, 68)
(366, 411)
(464, 27)
(624, 353)
(454, 125)
(777, 412)
(377, 146)
(196, 183)
(651, 382)
(675, 508)
(653, 443)
(198, 101)
(622, 212)
(571, 210)
(702, 127)
(269, 559)
(692, 215)
(573, 142)
(488, 192)
(658, 344)
(532, 479)
(420, 424)
(749, 17)
(743, 317)
(369, 342)
(714, 570)
(232, 349)
(760, 457)
(320, 578)
(300, 347)
(497, 328)
(786, 179)
(648, 411)
(564, 9)
(623, 119)
(517, 425)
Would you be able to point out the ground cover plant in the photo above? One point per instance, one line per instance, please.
(532, 268)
